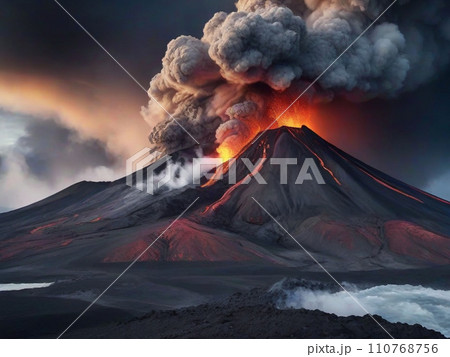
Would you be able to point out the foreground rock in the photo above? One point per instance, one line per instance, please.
(252, 315)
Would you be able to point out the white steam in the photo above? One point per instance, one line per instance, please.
(395, 303)
(173, 175)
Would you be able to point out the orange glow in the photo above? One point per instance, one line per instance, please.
(297, 115)
(220, 171)
(91, 110)
(38, 229)
(49, 225)
(226, 152)
(277, 115)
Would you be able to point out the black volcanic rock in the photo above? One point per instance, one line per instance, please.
(360, 215)
(253, 315)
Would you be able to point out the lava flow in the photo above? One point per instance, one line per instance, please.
(228, 193)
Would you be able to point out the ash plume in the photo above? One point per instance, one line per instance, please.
(218, 86)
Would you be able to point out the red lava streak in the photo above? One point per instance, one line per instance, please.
(49, 225)
(323, 164)
(389, 186)
(431, 196)
(228, 193)
(222, 170)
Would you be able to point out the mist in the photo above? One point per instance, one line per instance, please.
(395, 303)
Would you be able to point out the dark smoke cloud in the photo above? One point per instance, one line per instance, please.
(51, 68)
(51, 150)
(281, 44)
(48, 157)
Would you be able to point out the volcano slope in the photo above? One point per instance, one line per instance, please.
(85, 235)
(359, 219)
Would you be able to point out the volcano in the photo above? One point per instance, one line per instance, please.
(359, 223)
(358, 219)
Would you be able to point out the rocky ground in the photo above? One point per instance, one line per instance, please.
(190, 300)
(252, 315)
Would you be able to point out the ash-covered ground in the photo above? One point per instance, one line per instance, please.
(253, 314)
(217, 300)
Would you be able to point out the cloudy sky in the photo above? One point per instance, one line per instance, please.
(69, 113)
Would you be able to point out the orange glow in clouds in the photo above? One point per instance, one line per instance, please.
(300, 113)
(99, 112)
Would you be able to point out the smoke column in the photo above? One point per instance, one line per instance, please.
(220, 87)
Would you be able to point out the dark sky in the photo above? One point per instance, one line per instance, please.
(407, 137)
(38, 36)
(58, 87)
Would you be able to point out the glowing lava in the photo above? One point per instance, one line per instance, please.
(226, 151)
(290, 113)
(280, 111)
(226, 196)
